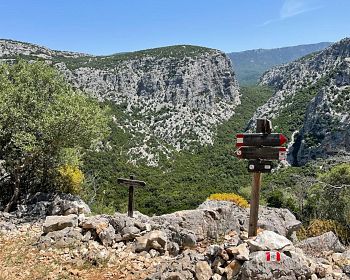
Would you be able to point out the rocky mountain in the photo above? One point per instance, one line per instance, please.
(251, 64)
(171, 98)
(311, 103)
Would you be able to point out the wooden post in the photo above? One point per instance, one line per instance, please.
(254, 204)
(262, 126)
(131, 183)
(131, 199)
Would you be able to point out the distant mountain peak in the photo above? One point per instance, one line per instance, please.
(251, 64)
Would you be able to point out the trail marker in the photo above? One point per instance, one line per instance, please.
(260, 148)
(131, 183)
(273, 256)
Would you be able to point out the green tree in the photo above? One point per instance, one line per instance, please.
(41, 118)
(336, 193)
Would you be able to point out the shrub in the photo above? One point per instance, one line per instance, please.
(70, 179)
(318, 227)
(232, 197)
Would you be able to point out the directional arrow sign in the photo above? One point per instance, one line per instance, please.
(268, 153)
(260, 139)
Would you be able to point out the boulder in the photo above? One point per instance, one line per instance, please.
(107, 236)
(129, 233)
(156, 240)
(97, 223)
(213, 219)
(232, 269)
(54, 223)
(259, 268)
(203, 271)
(319, 244)
(66, 204)
(61, 238)
(278, 220)
(269, 241)
(240, 252)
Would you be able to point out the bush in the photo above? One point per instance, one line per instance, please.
(275, 199)
(318, 227)
(232, 197)
(70, 179)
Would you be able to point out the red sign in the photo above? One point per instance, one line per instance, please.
(273, 256)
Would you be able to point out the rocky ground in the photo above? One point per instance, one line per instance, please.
(56, 237)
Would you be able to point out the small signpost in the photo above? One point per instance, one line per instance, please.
(131, 183)
(260, 149)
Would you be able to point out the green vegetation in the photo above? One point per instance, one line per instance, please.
(111, 61)
(44, 124)
(317, 227)
(183, 182)
(313, 194)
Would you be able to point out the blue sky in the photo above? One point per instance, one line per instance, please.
(107, 26)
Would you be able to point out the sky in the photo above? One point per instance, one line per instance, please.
(102, 27)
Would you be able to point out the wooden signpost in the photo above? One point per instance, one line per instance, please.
(259, 148)
(131, 183)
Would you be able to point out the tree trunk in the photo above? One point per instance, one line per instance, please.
(15, 195)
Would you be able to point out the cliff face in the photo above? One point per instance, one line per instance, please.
(172, 97)
(312, 99)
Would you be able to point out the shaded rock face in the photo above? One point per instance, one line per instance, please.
(325, 242)
(323, 80)
(174, 98)
(326, 128)
(219, 217)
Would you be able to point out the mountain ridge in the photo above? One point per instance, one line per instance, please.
(311, 97)
(251, 64)
(171, 98)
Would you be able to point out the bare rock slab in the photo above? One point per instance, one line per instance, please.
(287, 268)
(54, 223)
(269, 241)
(325, 242)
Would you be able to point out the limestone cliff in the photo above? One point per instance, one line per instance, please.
(312, 99)
(172, 97)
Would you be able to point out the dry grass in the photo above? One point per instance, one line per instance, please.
(19, 259)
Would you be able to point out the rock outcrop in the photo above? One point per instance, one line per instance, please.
(178, 246)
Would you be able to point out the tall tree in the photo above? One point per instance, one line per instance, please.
(41, 117)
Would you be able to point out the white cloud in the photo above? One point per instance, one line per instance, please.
(291, 8)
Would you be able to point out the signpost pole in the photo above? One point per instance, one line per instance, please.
(131, 184)
(260, 149)
(262, 126)
(254, 204)
(131, 199)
